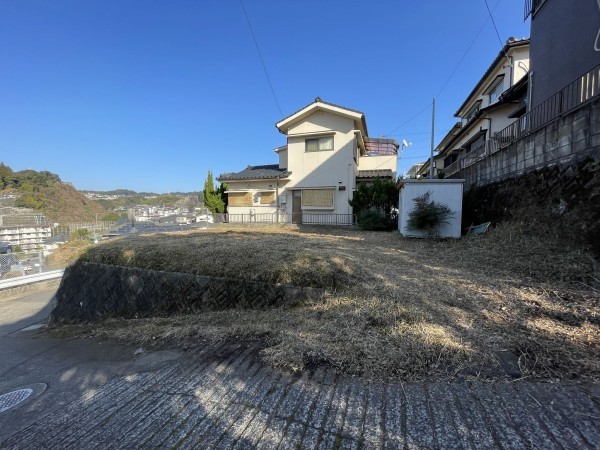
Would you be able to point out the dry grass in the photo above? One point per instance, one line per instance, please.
(395, 307)
(68, 253)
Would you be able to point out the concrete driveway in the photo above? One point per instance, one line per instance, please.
(100, 394)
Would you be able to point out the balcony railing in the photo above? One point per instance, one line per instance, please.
(531, 7)
(381, 147)
(576, 94)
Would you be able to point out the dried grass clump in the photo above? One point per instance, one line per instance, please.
(68, 253)
(248, 254)
(395, 307)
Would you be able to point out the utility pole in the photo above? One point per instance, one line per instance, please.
(432, 134)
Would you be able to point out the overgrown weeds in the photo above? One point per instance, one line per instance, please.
(395, 307)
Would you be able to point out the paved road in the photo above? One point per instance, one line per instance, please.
(222, 396)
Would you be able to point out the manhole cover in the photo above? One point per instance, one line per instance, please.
(13, 398)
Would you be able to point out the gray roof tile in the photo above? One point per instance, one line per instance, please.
(268, 171)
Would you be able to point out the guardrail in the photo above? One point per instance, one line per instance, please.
(29, 279)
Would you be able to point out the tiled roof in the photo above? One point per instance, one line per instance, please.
(320, 100)
(381, 173)
(269, 171)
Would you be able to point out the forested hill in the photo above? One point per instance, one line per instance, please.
(46, 193)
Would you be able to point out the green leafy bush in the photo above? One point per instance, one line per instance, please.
(375, 220)
(427, 215)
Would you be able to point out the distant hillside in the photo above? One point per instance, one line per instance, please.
(125, 198)
(46, 193)
(124, 192)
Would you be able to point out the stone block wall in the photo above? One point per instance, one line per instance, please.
(90, 292)
(563, 142)
(567, 198)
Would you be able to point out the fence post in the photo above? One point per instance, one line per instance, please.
(40, 256)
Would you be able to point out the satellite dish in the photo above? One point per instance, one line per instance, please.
(404, 143)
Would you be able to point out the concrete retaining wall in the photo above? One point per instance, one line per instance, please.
(90, 292)
(563, 142)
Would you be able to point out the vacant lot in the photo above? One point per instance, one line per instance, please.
(395, 307)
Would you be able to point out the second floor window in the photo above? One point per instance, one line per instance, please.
(473, 112)
(319, 144)
(496, 91)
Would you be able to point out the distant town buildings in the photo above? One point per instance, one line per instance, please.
(28, 237)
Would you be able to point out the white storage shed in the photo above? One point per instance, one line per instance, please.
(446, 191)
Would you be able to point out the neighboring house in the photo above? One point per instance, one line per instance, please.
(413, 172)
(565, 38)
(328, 152)
(489, 109)
(438, 167)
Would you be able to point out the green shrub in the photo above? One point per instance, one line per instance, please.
(374, 220)
(427, 215)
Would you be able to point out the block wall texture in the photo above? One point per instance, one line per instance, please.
(90, 292)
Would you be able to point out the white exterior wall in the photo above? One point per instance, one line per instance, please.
(283, 159)
(520, 60)
(322, 169)
(448, 191)
(378, 163)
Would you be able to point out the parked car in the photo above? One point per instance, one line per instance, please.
(208, 218)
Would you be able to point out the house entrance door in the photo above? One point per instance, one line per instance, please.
(296, 206)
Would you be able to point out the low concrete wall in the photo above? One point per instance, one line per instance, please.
(31, 286)
(564, 142)
(90, 292)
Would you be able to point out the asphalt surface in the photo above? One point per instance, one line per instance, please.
(104, 395)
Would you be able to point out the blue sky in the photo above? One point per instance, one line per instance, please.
(149, 95)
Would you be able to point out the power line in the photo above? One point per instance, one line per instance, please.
(466, 52)
(412, 118)
(261, 58)
(496, 28)
(451, 73)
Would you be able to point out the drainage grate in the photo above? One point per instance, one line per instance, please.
(13, 398)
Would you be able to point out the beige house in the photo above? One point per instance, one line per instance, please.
(488, 110)
(328, 152)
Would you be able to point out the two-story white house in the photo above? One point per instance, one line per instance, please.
(488, 109)
(328, 152)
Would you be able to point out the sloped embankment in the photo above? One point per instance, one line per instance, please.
(160, 275)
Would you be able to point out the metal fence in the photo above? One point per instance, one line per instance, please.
(576, 94)
(94, 226)
(22, 264)
(283, 218)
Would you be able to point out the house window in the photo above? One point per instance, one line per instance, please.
(319, 144)
(317, 198)
(240, 199)
(473, 112)
(496, 91)
(267, 198)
